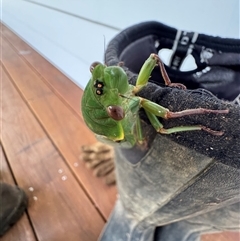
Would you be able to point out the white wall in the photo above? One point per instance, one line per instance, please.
(70, 33)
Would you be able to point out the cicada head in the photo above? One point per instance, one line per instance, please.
(102, 107)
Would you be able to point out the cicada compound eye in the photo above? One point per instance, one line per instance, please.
(93, 65)
(116, 112)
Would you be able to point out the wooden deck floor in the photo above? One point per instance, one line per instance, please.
(41, 136)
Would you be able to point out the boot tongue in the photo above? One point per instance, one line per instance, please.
(186, 43)
(224, 59)
(182, 46)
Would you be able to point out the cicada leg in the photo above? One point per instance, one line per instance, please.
(146, 71)
(153, 110)
(166, 77)
(139, 132)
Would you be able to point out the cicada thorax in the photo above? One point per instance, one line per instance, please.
(116, 78)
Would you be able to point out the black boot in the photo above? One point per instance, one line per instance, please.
(13, 202)
(185, 174)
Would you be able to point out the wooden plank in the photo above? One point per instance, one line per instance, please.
(59, 208)
(22, 229)
(57, 81)
(66, 130)
(223, 236)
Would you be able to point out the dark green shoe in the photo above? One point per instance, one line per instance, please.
(13, 202)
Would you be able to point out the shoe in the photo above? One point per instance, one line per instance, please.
(186, 174)
(217, 60)
(13, 202)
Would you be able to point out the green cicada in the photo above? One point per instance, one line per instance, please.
(110, 106)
